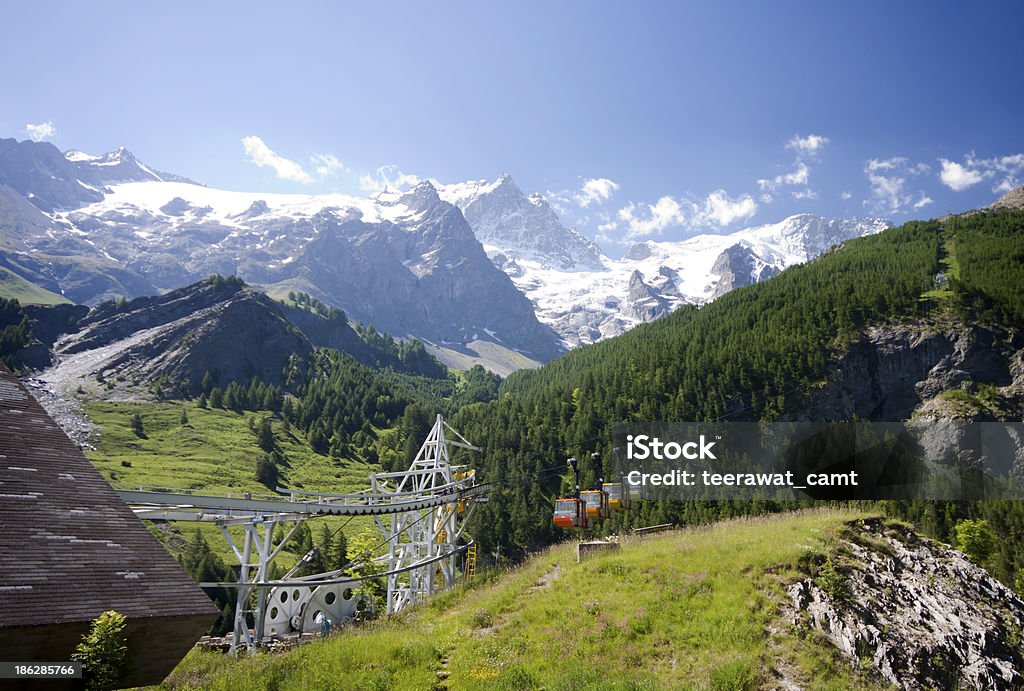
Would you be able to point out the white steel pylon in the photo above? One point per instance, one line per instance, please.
(430, 533)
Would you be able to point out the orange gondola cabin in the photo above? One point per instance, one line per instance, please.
(571, 512)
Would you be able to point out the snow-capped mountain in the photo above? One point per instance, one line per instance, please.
(115, 167)
(585, 296)
(513, 227)
(407, 263)
(53, 180)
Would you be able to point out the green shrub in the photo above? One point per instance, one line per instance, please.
(975, 539)
(103, 651)
(832, 581)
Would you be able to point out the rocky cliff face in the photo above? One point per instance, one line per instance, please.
(424, 275)
(917, 612)
(896, 371)
(643, 301)
(738, 266)
(521, 227)
(41, 173)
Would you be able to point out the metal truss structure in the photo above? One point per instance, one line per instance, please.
(416, 537)
(421, 511)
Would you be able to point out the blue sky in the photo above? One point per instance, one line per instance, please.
(638, 120)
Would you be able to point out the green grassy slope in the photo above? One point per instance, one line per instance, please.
(214, 451)
(14, 286)
(688, 609)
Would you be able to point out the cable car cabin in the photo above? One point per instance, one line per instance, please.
(597, 504)
(570, 512)
(618, 497)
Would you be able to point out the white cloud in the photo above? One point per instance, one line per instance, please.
(845, 195)
(811, 144)
(957, 177)
(259, 153)
(596, 190)
(722, 210)
(718, 208)
(263, 156)
(560, 201)
(388, 178)
(659, 216)
(889, 190)
(606, 227)
(40, 132)
(805, 193)
(326, 164)
(799, 176)
(1007, 171)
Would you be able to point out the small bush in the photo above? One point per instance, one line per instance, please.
(482, 619)
(976, 540)
(103, 652)
(832, 581)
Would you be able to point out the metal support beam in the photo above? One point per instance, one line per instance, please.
(422, 513)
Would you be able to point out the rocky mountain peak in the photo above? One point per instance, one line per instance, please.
(638, 252)
(117, 155)
(506, 185)
(739, 266)
(520, 227)
(421, 197)
(40, 173)
(117, 166)
(643, 301)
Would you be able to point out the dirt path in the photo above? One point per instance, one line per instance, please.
(548, 578)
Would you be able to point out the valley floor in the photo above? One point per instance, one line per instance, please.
(687, 609)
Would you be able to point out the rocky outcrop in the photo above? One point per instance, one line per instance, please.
(738, 266)
(643, 302)
(225, 328)
(1014, 199)
(892, 370)
(917, 612)
(521, 226)
(46, 323)
(50, 322)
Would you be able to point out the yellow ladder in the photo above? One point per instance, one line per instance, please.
(471, 561)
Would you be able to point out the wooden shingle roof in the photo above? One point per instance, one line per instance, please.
(70, 549)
